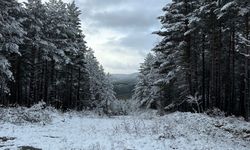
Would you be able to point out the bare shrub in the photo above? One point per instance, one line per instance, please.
(38, 113)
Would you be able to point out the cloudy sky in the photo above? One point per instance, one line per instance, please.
(119, 31)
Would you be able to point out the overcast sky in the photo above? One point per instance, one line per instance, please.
(119, 31)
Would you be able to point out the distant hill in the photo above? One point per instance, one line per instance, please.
(124, 84)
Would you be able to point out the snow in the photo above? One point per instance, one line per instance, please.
(138, 132)
(246, 55)
(243, 11)
(228, 5)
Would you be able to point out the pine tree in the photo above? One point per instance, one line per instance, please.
(11, 36)
(243, 49)
(93, 69)
(213, 34)
(34, 52)
(143, 89)
(44, 57)
(175, 52)
(101, 87)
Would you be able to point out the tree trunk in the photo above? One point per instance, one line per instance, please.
(78, 87)
(233, 99)
(203, 73)
(246, 79)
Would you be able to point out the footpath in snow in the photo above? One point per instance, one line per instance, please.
(79, 131)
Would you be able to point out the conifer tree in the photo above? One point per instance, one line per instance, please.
(211, 34)
(11, 36)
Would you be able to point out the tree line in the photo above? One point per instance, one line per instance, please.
(202, 61)
(44, 57)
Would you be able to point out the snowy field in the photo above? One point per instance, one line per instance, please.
(182, 131)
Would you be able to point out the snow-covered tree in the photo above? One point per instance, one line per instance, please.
(49, 62)
(213, 34)
(92, 68)
(34, 51)
(174, 54)
(101, 87)
(143, 89)
(11, 36)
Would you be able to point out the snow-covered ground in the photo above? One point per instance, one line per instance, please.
(182, 131)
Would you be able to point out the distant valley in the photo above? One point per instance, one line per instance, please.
(124, 84)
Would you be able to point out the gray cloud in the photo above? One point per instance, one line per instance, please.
(121, 13)
(122, 29)
(140, 41)
(122, 19)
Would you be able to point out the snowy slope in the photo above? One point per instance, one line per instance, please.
(182, 131)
